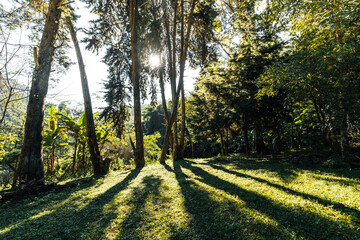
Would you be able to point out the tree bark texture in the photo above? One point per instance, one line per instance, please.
(30, 163)
(135, 77)
(98, 165)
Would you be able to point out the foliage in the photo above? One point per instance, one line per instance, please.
(152, 150)
(320, 69)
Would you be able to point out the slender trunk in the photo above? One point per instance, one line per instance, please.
(178, 152)
(6, 105)
(163, 101)
(53, 159)
(180, 84)
(83, 157)
(97, 163)
(173, 79)
(173, 85)
(191, 143)
(74, 157)
(246, 136)
(183, 116)
(30, 165)
(226, 143)
(171, 72)
(344, 142)
(168, 129)
(135, 77)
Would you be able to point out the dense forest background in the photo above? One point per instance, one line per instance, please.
(276, 77)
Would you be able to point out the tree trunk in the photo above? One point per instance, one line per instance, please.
(177, 152)
(172, 73)
(180, 85)
(30, 162)
(135, 77)
(222, 146)
(163, 101)
(259, 141)
(181, 148)
(246, 136)
(98, 165)
(173, 86)
(344, 142)
(53, 159)
(8, 99)
(74, 156)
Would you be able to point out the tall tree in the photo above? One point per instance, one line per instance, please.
(99, 166)
(185, 31)
(124, 28)
(30, 165)
(135, 78)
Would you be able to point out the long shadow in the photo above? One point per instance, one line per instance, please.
(23, 207)
(70, 221)
(285, 170)
(129, 228)
(286, 173)
(213, 220)
(302, 224)
(338, 206)
(349, 182)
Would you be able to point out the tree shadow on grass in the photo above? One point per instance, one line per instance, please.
(285, 172)
(301, 224)
(335, 205)
(353, 177)
(71, 221)
(22, 208)
(134, 224)
(213, 220)
(285, 169)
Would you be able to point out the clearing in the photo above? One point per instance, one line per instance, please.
(195, 199)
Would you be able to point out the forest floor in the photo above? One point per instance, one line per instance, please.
(195, 199)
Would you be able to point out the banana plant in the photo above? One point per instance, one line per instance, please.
(52, 134)
(76, 129)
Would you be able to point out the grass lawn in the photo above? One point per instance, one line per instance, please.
(195, 199)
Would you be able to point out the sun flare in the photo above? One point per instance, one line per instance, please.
(154, 60)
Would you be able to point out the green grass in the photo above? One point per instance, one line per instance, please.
(195, 199)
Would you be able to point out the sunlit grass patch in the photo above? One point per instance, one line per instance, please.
(194, 199)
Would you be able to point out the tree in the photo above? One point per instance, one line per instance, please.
(135, 78)
(125, 56)
(321, 68)
(99, 166)
(30, 165)
(178, 147)
(226, 100)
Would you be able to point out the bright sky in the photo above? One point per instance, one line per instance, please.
(69, 86)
